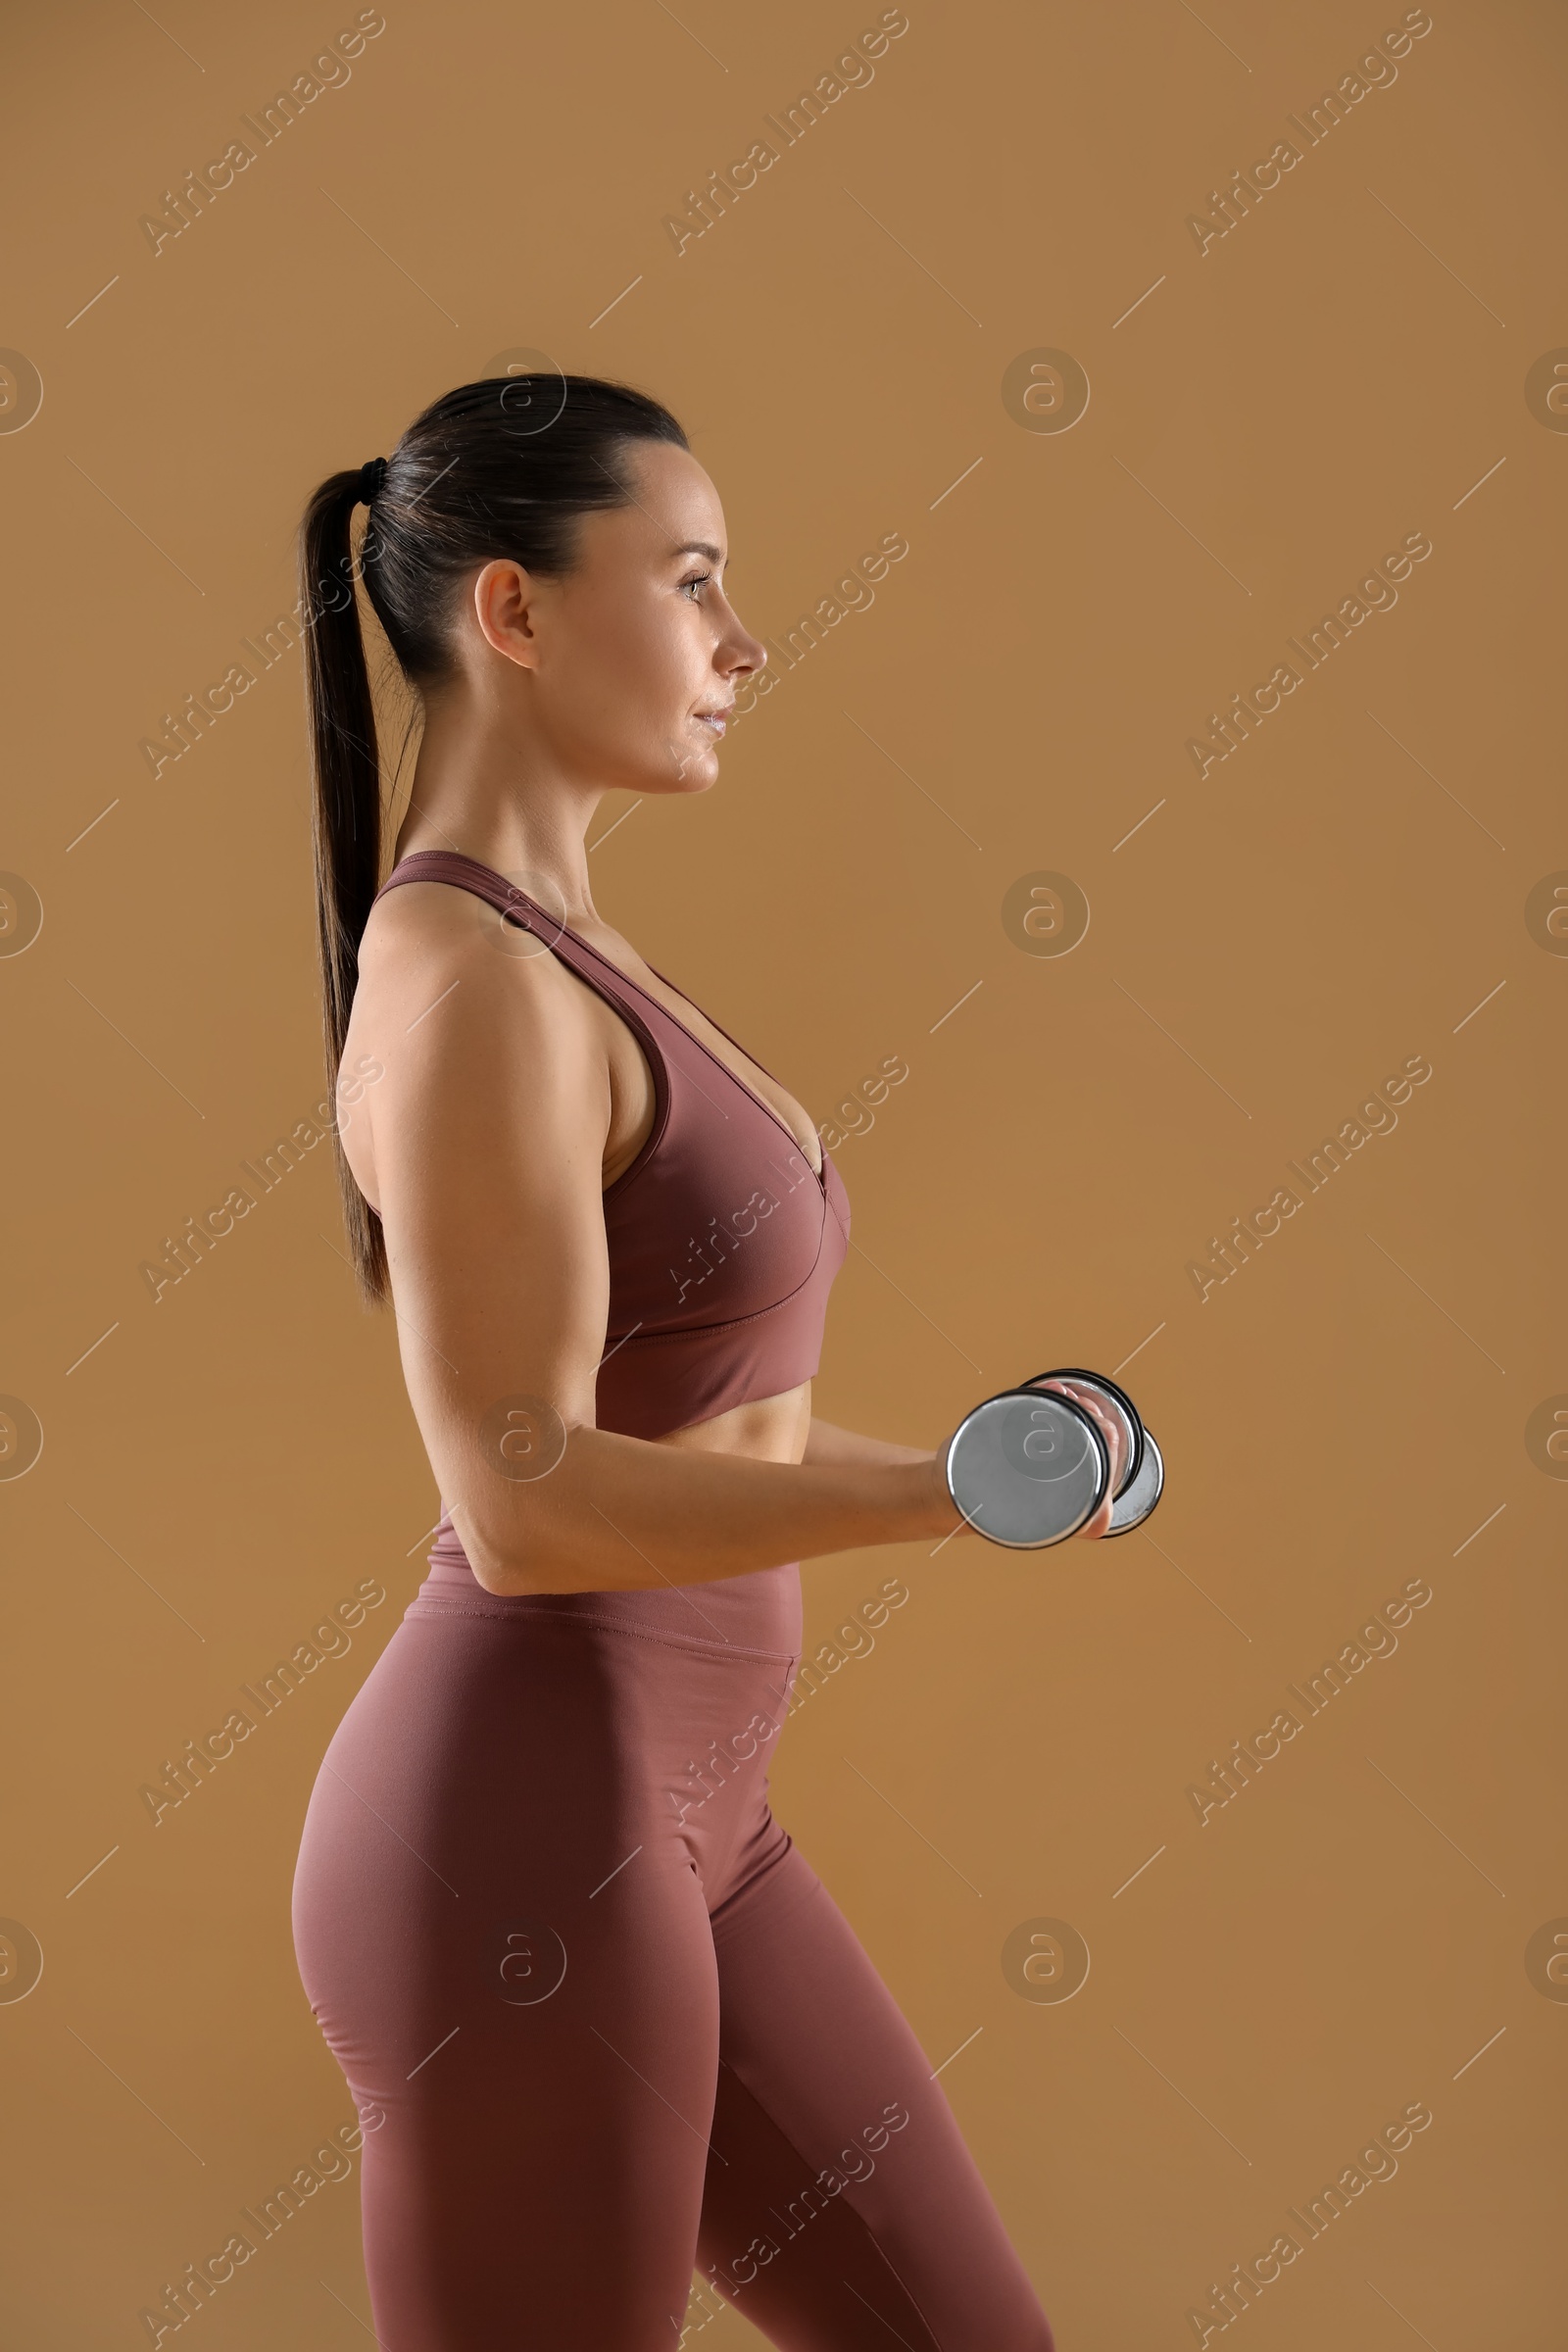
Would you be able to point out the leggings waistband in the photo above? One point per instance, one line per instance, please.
(753, 1616)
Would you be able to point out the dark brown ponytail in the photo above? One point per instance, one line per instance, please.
(496, 469)
(347, 808)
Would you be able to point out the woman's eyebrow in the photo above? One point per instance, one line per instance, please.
(699, 547)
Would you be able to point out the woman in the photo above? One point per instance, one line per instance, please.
(602, 2021)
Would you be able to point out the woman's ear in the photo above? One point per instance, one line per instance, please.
(504, 595)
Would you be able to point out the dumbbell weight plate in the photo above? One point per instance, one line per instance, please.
(1027, 1468)
(1133, 1504)
(1119, 1406)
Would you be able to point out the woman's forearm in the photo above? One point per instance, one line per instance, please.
(618, 1513)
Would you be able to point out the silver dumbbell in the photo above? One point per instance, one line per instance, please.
(1030, 1466)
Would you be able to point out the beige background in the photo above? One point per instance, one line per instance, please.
(1342, 1418)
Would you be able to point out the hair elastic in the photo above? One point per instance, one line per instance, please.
(372, 476)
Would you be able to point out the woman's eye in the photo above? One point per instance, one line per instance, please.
(697, 581)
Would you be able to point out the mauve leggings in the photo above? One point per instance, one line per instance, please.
(602, 2021)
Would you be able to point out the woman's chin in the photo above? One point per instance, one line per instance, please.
(690, 768)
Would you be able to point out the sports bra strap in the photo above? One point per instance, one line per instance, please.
(463, 873)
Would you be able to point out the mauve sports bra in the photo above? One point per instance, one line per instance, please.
(724, 1241)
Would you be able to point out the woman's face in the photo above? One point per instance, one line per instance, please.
(614, 667)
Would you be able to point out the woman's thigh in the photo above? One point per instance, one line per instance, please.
(511, 1960)
(841, 2201)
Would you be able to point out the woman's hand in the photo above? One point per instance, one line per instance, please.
(1110, 1429)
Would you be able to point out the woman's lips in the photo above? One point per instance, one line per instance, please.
(713, 721)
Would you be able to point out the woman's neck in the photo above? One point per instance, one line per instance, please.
(479, 793)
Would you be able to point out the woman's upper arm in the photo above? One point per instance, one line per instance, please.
(488, 1132)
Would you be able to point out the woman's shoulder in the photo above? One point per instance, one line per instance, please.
(438, 960)
(416, 911)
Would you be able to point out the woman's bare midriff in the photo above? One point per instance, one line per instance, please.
(766, 1429)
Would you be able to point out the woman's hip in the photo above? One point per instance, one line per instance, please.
(759, 1613)
(552, 1756)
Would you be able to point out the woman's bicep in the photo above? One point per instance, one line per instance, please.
(490, 1131)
